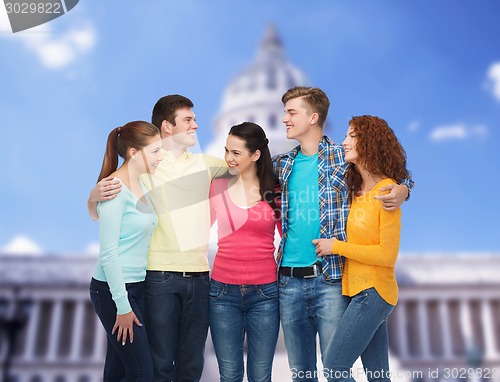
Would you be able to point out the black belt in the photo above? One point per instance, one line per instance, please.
(185, 274)
(305, 272)
(191, 274)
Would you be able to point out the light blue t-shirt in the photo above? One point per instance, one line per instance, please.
(125, 227)
(303, 212)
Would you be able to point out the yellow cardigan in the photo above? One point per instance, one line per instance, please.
(372, 248)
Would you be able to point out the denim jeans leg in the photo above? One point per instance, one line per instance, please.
(226, 327)
(358, 335)
(130, 362)
(177, 323)
(193, 329)
(329, 307)
(375, 358)
(262, 323)
(162, 311)
(113, 367)
(296, 296)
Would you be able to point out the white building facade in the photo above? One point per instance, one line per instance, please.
(446, 324)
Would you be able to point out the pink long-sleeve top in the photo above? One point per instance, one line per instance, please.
(245, 254)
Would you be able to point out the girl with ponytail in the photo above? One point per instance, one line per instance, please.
(125, 227)
(243, 288)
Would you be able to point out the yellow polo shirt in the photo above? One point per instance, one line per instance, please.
(179, 190)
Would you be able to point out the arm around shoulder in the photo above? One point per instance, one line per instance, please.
(216, 167)
(106, 189)
(92, 208)
(396, 196)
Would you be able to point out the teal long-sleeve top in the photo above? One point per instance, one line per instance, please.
(125, 228)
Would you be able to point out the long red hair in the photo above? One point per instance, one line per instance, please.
(379, 152)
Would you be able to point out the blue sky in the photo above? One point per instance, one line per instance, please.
(430, 68)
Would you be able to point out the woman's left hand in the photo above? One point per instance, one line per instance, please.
(124, 326)
(323, 246)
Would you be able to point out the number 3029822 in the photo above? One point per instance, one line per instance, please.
(481, 373)
(39, 8)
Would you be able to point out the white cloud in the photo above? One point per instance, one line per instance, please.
(494, 80)
(459, 131)
(92, 249)
(22, 245)
(55, 50)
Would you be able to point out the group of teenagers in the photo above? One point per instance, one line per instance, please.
(336, 207)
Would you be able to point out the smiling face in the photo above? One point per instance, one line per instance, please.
(183, 133)
(350, 153)
(298, 119)
(150, 156)
(239, 159)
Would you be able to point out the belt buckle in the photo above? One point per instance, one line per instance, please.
(186, 275)
(315, 273)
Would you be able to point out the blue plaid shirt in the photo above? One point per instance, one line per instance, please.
(332, 197)
(332, 194)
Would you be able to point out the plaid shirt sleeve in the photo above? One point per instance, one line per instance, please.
(410, 184)
(332, 202)
(279, 163)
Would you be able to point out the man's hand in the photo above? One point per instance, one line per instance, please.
(323, 246)
(106, 189)
(393, 200)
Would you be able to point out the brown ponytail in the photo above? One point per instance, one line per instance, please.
(131, 135)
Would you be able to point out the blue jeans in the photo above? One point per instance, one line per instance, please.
(362, 331)
(239, 309)
(132, 361)
(309, 306)
(177, 324)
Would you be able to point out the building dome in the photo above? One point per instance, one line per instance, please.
(255, 95)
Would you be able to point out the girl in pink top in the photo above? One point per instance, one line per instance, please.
(243, 289)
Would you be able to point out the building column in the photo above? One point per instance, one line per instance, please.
(466, 324)
(488, 330)
(55, 326)
(32, 332)
(444, 319)
(423, 321)
(77, 332)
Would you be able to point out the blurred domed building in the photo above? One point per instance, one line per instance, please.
(254, 95)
